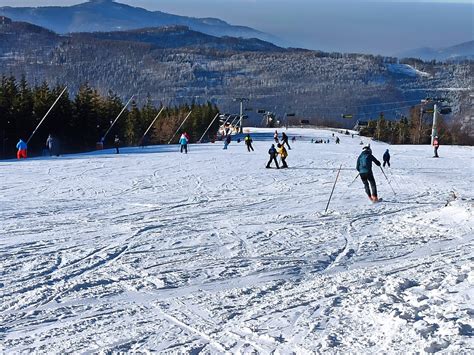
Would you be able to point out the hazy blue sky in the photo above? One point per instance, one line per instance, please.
(383, 26)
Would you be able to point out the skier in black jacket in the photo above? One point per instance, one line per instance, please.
(364, 167)
(284, 138)
(248, 142)
(386, 158)
(273, 157)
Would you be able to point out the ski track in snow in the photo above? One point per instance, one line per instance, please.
(152, 250)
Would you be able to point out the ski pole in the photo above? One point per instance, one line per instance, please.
(348, 186)
(353, 180)
(334, 186)
(175, 133)
(389, 184)
(393, 179)
(46, 115)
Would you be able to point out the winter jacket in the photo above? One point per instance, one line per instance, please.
(436, 143)
(21, 145)
(248, 140)
(284, 137)
(272, 151)
(386, 156)
(53, 145)
(228, 139)
(183, 140)
(283, 152)
(364, 162)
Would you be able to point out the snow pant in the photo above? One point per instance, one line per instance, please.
(249, 147)
(286, 142)
(184, 147)
(21, 154)
(53, 151)
(436, 152)
(386, 162)
(273, 158)
(116, 149)
(366, 178)
(283, 163)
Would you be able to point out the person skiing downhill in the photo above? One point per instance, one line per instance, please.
(436, 146)
(183, 142)
(284, 139)
(386, 158)
(283, 155)
(364, 167)
(273, 154)
(248, 142)
(22, 149)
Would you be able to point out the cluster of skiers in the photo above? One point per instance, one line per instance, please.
(274, 152)
(52, 147)
(363, 166)
(284, 139)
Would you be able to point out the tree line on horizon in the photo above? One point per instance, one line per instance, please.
(415, 129)
(81, 121)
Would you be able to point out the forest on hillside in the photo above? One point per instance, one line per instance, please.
(312, 84)
(80, 121)
(416, 128)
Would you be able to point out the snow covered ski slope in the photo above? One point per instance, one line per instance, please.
(153, 250)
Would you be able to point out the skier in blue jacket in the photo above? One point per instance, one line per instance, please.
(273, 157)
(22, 148)
(364, 167)
(183, 141)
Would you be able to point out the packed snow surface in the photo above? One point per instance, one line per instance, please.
(153, 250)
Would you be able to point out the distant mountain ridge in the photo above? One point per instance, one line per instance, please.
(458, 52)
(168, 37)
(176, 65)
(108, 15)
(181, 37)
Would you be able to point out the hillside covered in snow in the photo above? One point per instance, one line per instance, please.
(153, 250)
(176, 65)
